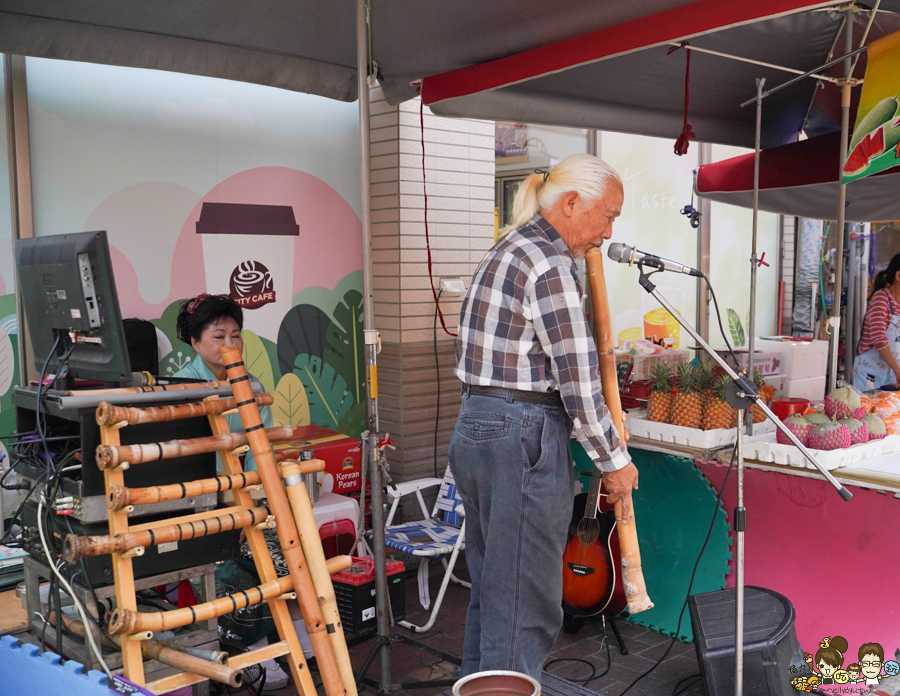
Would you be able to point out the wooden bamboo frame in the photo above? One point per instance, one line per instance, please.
(127, 621)
(311, 542)
(632, 574)
(109, 415)
(110, 456)
(122, 496)
(75, 547)
(287, 529)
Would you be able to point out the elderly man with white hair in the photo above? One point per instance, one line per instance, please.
(528, 364)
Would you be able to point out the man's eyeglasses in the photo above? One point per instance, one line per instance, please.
(871, 663)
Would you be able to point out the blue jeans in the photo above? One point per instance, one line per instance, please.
(513, 470)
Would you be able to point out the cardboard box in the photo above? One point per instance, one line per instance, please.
(342, 455)
(768, 362)
(799, 359)
(777, 381)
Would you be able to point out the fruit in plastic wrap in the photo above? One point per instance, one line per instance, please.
(799, 426)
(875, 426)
(843, 402)
(892, 424)
(859, 432)
(829, 436)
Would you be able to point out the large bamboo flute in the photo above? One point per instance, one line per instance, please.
(107, 414)
(120, 496)
(287, 529)
(75, 547)
(109, 456)
(151, 388)
(127, 621)
(311, 543)
(632, 575)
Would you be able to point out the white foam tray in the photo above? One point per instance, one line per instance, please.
(764, 448)
(690, 437)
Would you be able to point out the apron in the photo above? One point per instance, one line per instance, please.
(870, 371)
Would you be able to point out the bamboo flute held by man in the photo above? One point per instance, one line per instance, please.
(528, 365)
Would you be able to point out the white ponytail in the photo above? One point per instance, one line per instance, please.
(587, 175)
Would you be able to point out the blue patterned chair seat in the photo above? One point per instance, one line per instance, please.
(430, 538)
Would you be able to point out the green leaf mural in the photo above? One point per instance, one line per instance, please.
(344, 343)
(256, 360)
(354, 421)
(302, 331)
(327, 393)
(180, 356)
(736, 328)
(272, 352)
(9, 363)
(167, 323)
(291, 406)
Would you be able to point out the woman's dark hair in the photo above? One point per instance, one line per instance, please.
(887, 276)
(834, 654)
(196, 314)
(871, 649)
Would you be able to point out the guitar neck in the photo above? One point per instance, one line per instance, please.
(590, 505)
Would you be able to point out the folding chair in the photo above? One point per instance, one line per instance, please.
(440, 533)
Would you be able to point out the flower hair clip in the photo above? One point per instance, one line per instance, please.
(193, 304)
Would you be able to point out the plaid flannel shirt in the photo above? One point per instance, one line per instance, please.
(522, 326)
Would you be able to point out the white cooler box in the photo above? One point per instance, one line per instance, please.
(800, 360)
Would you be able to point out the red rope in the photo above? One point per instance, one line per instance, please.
(683, 141)
(427, 240)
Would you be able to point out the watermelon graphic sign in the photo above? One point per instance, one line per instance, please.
(875, 145)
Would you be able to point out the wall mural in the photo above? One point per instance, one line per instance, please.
(287, 247)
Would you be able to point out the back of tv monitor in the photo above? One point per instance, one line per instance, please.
(68, 291)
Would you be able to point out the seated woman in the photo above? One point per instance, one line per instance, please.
(877, 362)
(209, 322)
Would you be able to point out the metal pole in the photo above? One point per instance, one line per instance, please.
(850, 315)
(382, 601)
(835, 320)
(739, 526)
(751, 328)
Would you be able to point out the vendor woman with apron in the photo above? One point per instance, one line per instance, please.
(877, 362)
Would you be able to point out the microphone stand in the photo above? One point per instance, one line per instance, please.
(741, 394)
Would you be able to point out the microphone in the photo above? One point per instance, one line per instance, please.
(626, 254)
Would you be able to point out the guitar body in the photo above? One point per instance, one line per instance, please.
(592, 578)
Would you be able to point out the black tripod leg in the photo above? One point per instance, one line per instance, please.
(615, 630)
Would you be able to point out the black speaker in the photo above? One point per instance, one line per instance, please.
(771, 648)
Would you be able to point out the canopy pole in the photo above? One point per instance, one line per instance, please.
(751, 323)
(835, 319)
(382, 601)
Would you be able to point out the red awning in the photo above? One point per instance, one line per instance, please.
(801, 179)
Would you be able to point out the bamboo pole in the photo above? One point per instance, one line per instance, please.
(181, 386)
(109, 456)
(287, 530)
(107, 414)
(122, 496)
(311, 542)
(75, 547)
(632, 574)
(127, 621)
(265, 567)
(168, 654)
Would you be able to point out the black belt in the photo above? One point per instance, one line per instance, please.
(529, 397)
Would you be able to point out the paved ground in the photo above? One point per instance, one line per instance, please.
(412, 663)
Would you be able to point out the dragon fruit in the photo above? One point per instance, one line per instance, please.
(844, 402)
(829, 436)
(817, 418)
(859, 433)
(799, 426)
(875, 426)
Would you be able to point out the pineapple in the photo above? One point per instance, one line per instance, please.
(762, 389)
(660, 403)
(707, 382)
(687, 410)
(718, 412)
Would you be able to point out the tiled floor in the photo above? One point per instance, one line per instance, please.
(411, 663)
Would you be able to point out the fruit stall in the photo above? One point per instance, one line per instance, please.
(802, 540)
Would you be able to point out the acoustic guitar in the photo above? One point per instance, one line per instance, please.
(592, 577)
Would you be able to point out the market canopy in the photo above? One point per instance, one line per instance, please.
(801, 179)
(576, 63)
